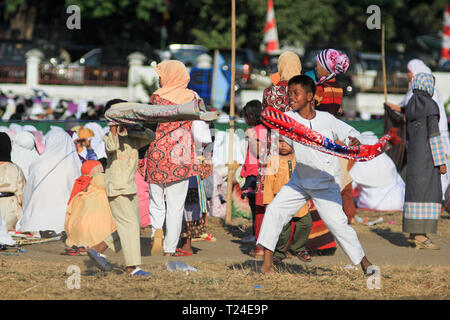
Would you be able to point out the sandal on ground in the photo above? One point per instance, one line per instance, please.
(304, 256)
(139, 272)
(99, 260)
(75, 251)
(208, 237)
(427, 244)
(181, 253)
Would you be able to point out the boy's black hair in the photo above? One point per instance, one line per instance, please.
(109, 103)
(252, 111)
(305, 81)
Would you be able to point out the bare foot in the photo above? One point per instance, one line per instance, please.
(267, 270)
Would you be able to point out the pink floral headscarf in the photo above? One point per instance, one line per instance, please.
(335, 62)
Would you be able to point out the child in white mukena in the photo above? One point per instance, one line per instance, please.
(316, 175)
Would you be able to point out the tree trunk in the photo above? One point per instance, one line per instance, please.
(23, 20)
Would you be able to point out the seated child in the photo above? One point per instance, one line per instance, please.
(88, 218)
(279, 171)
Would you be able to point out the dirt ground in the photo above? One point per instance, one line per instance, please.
(225, 271)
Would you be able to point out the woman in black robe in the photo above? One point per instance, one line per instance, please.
(426, 162)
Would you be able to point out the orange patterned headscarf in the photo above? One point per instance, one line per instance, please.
(89, 169)
(174, 79)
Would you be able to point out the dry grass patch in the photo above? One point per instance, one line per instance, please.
(222, 280)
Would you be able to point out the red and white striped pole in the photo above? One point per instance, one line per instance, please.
(445, 51)
(270, 30)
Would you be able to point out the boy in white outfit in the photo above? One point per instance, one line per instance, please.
(316, 175)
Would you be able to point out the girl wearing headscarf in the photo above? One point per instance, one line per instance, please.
(275, 96)
(88, 219)
(426, 162)
(50, 184)
(12, 184)
(171, 158)
(23, 151)
(329, 63)
(416, 66)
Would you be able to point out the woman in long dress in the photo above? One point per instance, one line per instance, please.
(426, 162)
(50, 184)
(416, 66)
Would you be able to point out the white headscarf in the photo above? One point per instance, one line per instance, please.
(97, 142)
(23, 151)
(417, 66)
(50, 184)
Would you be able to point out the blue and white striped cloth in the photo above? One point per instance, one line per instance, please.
(437, 150)
(421, 210)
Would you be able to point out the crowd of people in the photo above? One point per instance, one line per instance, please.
(101, 187)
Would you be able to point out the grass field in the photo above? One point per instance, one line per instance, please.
(232, 279)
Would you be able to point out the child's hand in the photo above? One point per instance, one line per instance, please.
(354, 141)
(443, 169)
(113, 129)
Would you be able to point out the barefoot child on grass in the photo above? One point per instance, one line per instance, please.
(279, 170)
(122, 146)
(316, 177)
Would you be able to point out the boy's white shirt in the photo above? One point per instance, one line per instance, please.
(315, 169)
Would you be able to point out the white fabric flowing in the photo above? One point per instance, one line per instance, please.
(381, 186)
(5, 238)
(23, 151)
(97, 142)
(50, 184)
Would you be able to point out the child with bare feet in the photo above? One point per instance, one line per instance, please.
(316, 176)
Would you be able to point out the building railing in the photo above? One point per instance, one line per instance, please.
(13, 74)
(80, 75)
(372, 82)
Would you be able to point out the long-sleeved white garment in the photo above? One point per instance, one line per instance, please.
(316, 169)
(50, 184)
(381, 186)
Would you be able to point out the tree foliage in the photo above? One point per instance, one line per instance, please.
(208, 22)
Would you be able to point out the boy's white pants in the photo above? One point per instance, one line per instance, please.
(175, 195)
(328, 202)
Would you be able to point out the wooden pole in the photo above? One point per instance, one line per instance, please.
(231, 167)
(214, 75)
(383, 63)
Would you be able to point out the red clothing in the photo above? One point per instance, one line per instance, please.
(171, 156)
(250, 167)
(277, 97)
(329, 96)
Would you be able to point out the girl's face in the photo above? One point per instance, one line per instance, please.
(284, 148)
(410, 75)
(320, 71)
